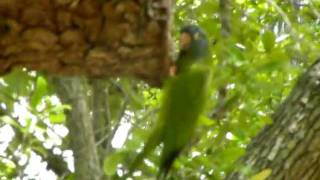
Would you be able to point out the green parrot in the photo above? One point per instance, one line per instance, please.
(184, 98)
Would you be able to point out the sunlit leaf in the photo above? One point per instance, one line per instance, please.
(263, 175)
(268, 40)
(39, 92)
(18, 82)
(57, 118)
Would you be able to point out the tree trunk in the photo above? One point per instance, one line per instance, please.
(290, 147)
(74, 91)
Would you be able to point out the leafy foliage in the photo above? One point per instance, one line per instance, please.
(30, 115)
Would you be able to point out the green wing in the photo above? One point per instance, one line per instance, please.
(184, 101)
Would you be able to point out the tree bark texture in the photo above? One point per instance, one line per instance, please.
(290, 147)
(91, 37)
(101, 116)
(74, 91)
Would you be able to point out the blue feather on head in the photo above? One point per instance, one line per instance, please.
(193, 47)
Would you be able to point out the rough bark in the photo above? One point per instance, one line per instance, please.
(101, 116)
(74, 91)
(290, 146)
(90, 37)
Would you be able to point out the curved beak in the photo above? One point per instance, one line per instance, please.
(185, 40)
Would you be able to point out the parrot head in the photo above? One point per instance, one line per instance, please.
(193, 47)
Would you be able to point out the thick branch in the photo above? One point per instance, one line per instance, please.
(290, 146)
(73, 91)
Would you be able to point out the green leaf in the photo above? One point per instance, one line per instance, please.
(57, 118)
(264, 174)
(8, 169)
(268, 40)
(204, 120)
(18, 82)
(39, 92)
(130, 90)
(71, 177)
(56, 114)
(111, 162)
(9, 120)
